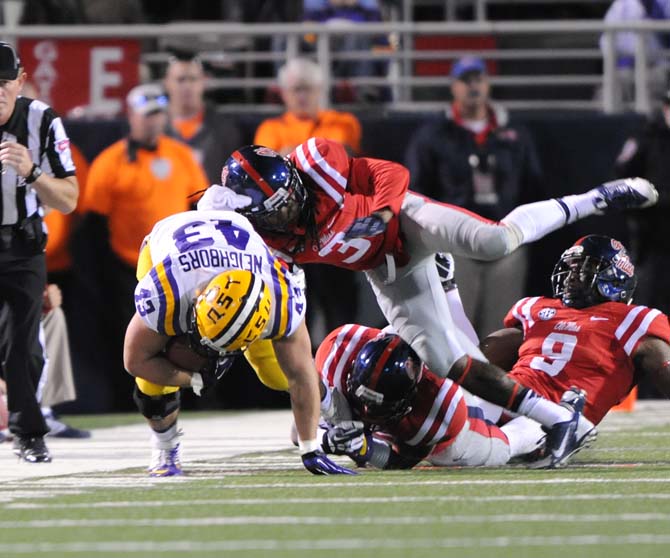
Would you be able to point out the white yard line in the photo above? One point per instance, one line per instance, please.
(325, 500)
(223, 521)
(173, 546)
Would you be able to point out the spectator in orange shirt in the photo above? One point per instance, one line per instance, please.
(211, 135)
(301, 86)
(132, 184)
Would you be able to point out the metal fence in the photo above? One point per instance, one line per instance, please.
(566, 64)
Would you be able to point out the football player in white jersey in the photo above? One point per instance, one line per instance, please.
(207, 277)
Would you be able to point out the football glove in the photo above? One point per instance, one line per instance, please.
(372, 225)
(210, 374)
(345, 438)
(445, 269)
(317, 463)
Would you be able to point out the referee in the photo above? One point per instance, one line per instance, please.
(36, 170)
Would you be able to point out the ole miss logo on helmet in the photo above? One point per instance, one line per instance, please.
(265, 152)
(623, 263)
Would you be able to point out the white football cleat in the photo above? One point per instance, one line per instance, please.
(625, 193)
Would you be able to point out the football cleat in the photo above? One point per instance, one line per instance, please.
(566, 438)
(31, 449)
(166, 462)
(445, 268)
(625, 193)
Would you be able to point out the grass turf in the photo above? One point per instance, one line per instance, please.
(613, 502)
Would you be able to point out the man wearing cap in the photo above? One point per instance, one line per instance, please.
(647, 153)
(131, 185)
(36, 171)
(473, 159)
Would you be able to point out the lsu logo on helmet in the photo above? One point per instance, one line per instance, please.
(232, 311)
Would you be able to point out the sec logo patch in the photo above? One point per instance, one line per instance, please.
(547, 313)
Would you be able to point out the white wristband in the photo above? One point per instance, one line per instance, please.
(196, 383)
(307, 446)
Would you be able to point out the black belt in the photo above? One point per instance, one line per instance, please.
(28, 233)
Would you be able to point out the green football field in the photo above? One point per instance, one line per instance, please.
(614, 501)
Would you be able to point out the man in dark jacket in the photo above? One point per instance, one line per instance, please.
(472, 159)
(647, 154)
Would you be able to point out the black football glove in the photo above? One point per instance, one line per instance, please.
(211, 373)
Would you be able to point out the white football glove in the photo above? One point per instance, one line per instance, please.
(219, 198)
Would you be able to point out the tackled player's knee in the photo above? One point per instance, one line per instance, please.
(496, 241)
(156, 407)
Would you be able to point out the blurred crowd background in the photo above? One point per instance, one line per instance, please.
(370, 73)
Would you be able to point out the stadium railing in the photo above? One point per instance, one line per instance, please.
(547, 49)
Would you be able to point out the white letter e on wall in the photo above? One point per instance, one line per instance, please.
(100, 79)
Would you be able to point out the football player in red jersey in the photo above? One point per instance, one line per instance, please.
(414, 414)
(589, 335)
(321, 205)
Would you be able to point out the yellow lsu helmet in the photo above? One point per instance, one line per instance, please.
(232, 311)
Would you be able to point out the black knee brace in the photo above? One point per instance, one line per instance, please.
(156, 407)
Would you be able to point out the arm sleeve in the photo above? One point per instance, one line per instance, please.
(325, 360)
(57, 157)
(510, 320)
(660, 327)
(389, 182)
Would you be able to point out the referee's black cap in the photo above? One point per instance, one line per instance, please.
(10, 63)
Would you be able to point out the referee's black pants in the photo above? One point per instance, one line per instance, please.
(22, 282)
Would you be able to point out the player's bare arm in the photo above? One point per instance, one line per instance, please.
(294, 355)
(652, 358)
(502, 347)
(143, 357)
(486, 381)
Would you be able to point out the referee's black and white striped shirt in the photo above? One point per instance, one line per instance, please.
(35, 125)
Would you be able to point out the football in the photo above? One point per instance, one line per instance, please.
(178, 352)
